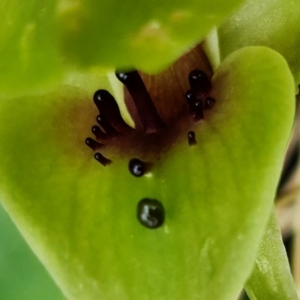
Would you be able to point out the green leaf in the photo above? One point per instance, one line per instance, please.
(80, 217)
(42, 41)
(270, 23)
(271, 277)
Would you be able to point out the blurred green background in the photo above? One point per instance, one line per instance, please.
(22, 276)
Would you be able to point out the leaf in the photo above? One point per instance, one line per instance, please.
(42, 41)
(271, 277)
(270, 23)
(80, 217)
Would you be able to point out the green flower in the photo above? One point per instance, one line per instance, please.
(165, 200)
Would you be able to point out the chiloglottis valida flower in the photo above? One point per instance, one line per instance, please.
(162, 210)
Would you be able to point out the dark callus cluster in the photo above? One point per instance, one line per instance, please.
(110, 122)
(197, 97)
(150, 212)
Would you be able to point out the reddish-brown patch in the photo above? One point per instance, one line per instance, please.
(174, 106)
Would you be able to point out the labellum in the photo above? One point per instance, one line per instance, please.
(161, 210)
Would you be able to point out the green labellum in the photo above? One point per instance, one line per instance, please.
(216, 187)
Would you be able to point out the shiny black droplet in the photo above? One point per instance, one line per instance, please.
(109, 108)
(125, 77)
(198, 110)
(104, 123)
(150, 213)
(195, 105)
(192, 138)
(101, 159)
(190, 98)
(209, 102)
(99, 134)
(199, 81)
(137, 167)
(94, 145)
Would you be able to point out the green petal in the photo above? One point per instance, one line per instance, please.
(270, 23)
(41, 41)
(29, 57)
(148, 35)
(271, 277)
(80, 217)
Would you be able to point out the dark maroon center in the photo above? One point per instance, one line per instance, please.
(113, 134)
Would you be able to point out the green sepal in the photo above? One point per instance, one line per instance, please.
(270, 23)
(42, 42)
(271, 276)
